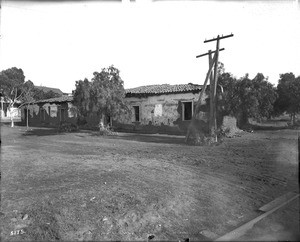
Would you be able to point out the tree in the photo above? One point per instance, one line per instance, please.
(12, 84)
(81, 97)
(39, 94)
(28, 98)
(288, 90)
(266, 96)
(245, 98)
(230, 98)
(103, 96)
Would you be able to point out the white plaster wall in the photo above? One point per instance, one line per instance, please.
(71, 112)
(159, 109)
(33, 109)
(53, 109)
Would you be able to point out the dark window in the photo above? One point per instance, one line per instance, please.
(187, 108)
(63, 115)
(136, 113)
(43, 114)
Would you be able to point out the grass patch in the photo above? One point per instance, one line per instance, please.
(43, 223)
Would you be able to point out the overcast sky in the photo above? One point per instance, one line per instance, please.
(154, 42)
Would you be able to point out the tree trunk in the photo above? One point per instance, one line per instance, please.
(12, 122)
(11, 118)
(110, 123)
(27, 123)
(101, 122)
(293, 118)
(242, 120)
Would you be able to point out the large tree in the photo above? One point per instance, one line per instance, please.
(13, 87)
(81, 97)
(103, 95)
(246, 98)
(39, 94)
(288, 100)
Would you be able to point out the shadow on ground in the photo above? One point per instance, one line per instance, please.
(269, 127)
(146, 138)
(42, 132)
(166, 139)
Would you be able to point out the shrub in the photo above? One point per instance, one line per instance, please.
(67, 127)
(106, 130)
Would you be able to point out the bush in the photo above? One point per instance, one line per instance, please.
(106, 130)
(67, 127)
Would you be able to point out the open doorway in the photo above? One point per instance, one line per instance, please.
(187, 110)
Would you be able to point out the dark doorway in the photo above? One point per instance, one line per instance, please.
(63, 115)
(187, 110)
(136, 113)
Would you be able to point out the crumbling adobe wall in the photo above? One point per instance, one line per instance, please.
(158, 114)
(52, 115)
(160, 109)
(163, 114)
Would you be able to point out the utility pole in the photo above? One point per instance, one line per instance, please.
(208, 75)
(211, 75)
(213, 88)
(211, 91)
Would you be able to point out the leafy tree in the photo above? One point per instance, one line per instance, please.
(39, 94)
(103, 96)
(81, 97)
(246, 98)
(12, 82)
(230, 98)
(266, 96)
(288, 100)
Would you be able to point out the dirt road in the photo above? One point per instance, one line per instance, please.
(81, 186)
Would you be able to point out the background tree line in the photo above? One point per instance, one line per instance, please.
(257, 98)
(15, 90)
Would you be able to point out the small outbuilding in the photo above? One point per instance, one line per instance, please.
(49, 112)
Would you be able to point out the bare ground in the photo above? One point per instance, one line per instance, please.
(81, 186)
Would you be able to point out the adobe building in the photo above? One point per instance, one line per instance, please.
(154, 109)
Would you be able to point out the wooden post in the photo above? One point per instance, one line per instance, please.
(211, 95)
(298, 154)
(206, 79)
(204, 87)
(27, 126)
(212, 61)
(214, 97)
(213, 87)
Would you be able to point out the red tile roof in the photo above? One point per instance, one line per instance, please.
(47, 89)
(162, 89)
(140, 91)
(56, 100)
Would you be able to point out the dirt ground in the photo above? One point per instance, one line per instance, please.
(82, 186)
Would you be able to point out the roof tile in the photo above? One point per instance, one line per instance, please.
(163, 89)
(56, 100)
(142, 90)
(47, 89)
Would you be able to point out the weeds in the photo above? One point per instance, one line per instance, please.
(67, 127)
(43, 224)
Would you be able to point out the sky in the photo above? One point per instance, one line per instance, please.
(151, 42)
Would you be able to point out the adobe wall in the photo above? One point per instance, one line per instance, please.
(50, 116)
(159, 114)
